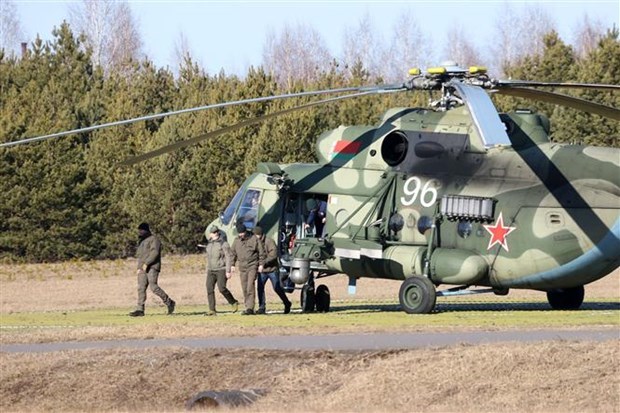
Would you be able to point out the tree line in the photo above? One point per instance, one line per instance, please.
(68, 198)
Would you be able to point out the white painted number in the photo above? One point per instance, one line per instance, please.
(413, 187)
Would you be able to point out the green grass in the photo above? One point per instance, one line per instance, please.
(345, 316)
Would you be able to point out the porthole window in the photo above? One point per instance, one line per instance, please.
(394, 148)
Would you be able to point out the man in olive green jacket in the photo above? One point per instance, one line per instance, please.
(218, 269)
(247, 251)
(149, 266)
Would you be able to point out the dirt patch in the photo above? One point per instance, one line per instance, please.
(548, 376)
(112, 284)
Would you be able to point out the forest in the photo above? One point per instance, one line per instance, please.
(68, 198)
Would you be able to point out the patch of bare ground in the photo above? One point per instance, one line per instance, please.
(112, 284)
(511, 377)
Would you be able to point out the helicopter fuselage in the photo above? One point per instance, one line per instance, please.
(422, 195)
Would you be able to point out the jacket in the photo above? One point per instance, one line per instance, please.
(149, 253)
(271, 254)
(249, 252)
(218, 255)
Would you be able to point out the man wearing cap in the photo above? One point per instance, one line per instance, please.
(270, 272)
(317, 211)
(218, 269)
(248, 253)
(149, 266)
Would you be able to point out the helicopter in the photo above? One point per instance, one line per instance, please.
(455, 194)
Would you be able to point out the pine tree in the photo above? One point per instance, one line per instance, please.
(49, 205)
(602, 65)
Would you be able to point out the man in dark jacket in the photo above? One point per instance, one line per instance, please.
(248, 253)
(218, 269)
(317, 214)
(270, 272)
(149, 266)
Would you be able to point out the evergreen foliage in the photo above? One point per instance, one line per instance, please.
(67, 198)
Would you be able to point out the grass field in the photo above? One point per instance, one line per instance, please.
(90, 301)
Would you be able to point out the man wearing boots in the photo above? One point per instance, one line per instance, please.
(248, 253)
(149, 266)
(218, 269)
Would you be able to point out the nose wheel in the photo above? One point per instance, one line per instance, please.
(417, 295)
(306, 299)
(312, 299)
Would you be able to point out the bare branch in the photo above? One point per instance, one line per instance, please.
(110, 29)
(518, 33)
(460, 49)
(296, 53)
(409, 48)
(11, 32)
(587, 34)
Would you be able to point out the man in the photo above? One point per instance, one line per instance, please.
(317, 212)
(149, 266)
(270, 272)
(249, 253)
(218, 269)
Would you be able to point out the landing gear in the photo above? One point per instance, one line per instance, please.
(566, 298)
(307, 298)
(417, 295)
(322, 299)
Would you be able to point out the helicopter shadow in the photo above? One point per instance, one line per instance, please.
(464, 307)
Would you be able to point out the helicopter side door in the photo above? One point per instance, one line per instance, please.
(295, 214)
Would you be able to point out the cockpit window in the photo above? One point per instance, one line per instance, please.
(230, 209)
(248, 211)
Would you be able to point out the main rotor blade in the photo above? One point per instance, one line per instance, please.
(182, 144)
(527, 83)
(196, 109)
(563, 100)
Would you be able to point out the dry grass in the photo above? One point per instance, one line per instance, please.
(511, 377)
(542, 377)
(112, 284)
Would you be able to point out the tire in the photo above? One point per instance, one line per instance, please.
(322, 299)
(417, 295)
(307, 299)
(566, 298)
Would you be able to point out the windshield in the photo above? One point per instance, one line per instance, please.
(230, 209)
(248, 211)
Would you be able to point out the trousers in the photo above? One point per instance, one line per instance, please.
(277, 287)
(149, 279)
(217, 277)
(248, 277)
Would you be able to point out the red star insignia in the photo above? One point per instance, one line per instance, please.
(498, 233)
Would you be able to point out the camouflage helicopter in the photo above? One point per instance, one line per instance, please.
(455, 194)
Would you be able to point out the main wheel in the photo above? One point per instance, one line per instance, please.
(322, 299)
(417, 295)
(566, 298)
(307, 299)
